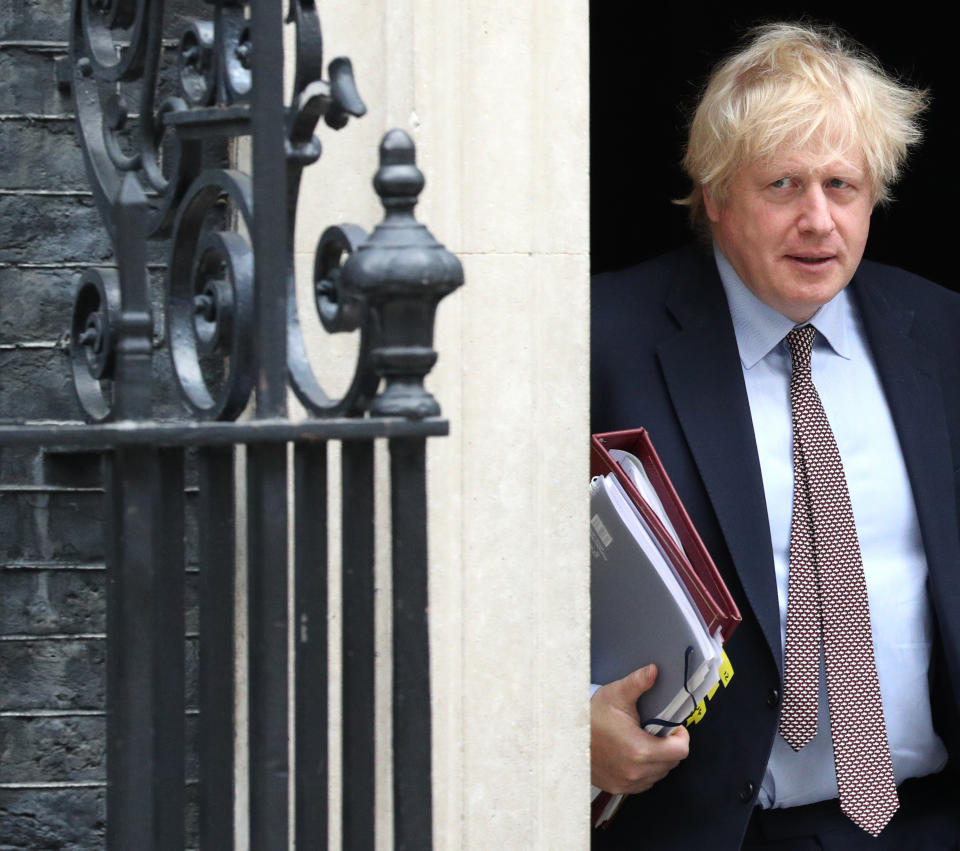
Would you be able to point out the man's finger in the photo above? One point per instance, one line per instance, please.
(627, 690)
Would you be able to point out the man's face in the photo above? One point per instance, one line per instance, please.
(794, 228)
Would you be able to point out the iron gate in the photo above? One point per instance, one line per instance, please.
(231, 328)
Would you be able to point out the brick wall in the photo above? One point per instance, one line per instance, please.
(52, 648)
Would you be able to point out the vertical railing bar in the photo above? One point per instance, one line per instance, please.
(269, 206)
(269, 646)
(169, 575)
(123, 798)
(412, 801)
(216, 522)
(145, 649)
(267, 464)
(358, 645)
(310, 645)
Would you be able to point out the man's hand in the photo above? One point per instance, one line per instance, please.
(623, 757)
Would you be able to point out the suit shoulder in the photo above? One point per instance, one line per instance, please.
(649, 282)
(691, 259)
(911, 289)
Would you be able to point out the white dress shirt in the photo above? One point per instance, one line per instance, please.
(890, 546)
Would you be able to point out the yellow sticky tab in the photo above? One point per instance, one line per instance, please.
(726, 669)
(713, 691)
(697, 715)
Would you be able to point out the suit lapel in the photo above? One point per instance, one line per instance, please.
(701, 367)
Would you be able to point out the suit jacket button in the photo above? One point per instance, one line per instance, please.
(773, 698)
(746, 792)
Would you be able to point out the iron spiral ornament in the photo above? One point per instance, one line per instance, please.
(131, 122)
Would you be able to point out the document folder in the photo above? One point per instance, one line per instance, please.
(693, 563)
(630, 589)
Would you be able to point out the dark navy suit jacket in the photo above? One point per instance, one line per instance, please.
(664, 357)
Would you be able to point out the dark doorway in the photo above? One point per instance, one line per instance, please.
(648, 62)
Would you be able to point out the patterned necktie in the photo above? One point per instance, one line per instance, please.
(827, 597)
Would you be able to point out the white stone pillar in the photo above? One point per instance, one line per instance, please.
(495, 94)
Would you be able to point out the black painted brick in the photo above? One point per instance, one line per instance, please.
(57, 749)
(45, 228)
(51, 674)
(35, 304)
(70, 748)
(45, 601)
(69, 469)
(38, 153)
(40, 20)
(18, 463)
(67, 229)
(60, 527)
(49, 20)
(61, 601)
(60, 819)
(64, 526)
(65, 674)
(36, 384)
(36, 89)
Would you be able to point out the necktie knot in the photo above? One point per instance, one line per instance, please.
(800, 340)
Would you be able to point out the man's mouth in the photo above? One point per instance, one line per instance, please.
(812, 260)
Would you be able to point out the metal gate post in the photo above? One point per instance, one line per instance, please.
(267, 463)
(145, 648)
(412, 814)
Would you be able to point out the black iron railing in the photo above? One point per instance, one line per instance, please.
(231, 329)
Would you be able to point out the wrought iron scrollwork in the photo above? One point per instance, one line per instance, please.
(93, 344)
(206, 212)
(210, 297)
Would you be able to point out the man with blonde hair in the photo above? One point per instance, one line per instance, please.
(805, 403)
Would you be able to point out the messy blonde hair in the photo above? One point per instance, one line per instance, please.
(797, 85)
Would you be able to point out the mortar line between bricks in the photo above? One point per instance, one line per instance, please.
(37, 116)
(49, 489)
(30, 344)
(189, 489)
(71, 264)
(52, 566)
(26, 638)
(191, 567)
(35, 714)
(51, 116)
(46, 193)
(56, 636)
(27, 42)
(33, 192)
(23, 43)
(53, 713)
(57, 784)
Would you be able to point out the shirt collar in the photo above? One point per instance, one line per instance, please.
(759, 328)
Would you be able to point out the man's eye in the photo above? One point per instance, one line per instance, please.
(837, 183)
(782, 183)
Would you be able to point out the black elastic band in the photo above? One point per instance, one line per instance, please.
(686, 679)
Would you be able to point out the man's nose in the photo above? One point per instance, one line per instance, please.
(816, 215)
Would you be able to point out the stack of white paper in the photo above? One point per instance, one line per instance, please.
(642, 612)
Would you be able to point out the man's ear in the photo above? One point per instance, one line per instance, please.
(710, 204)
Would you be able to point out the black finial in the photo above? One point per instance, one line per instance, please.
(398, 181)
(401, 272)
